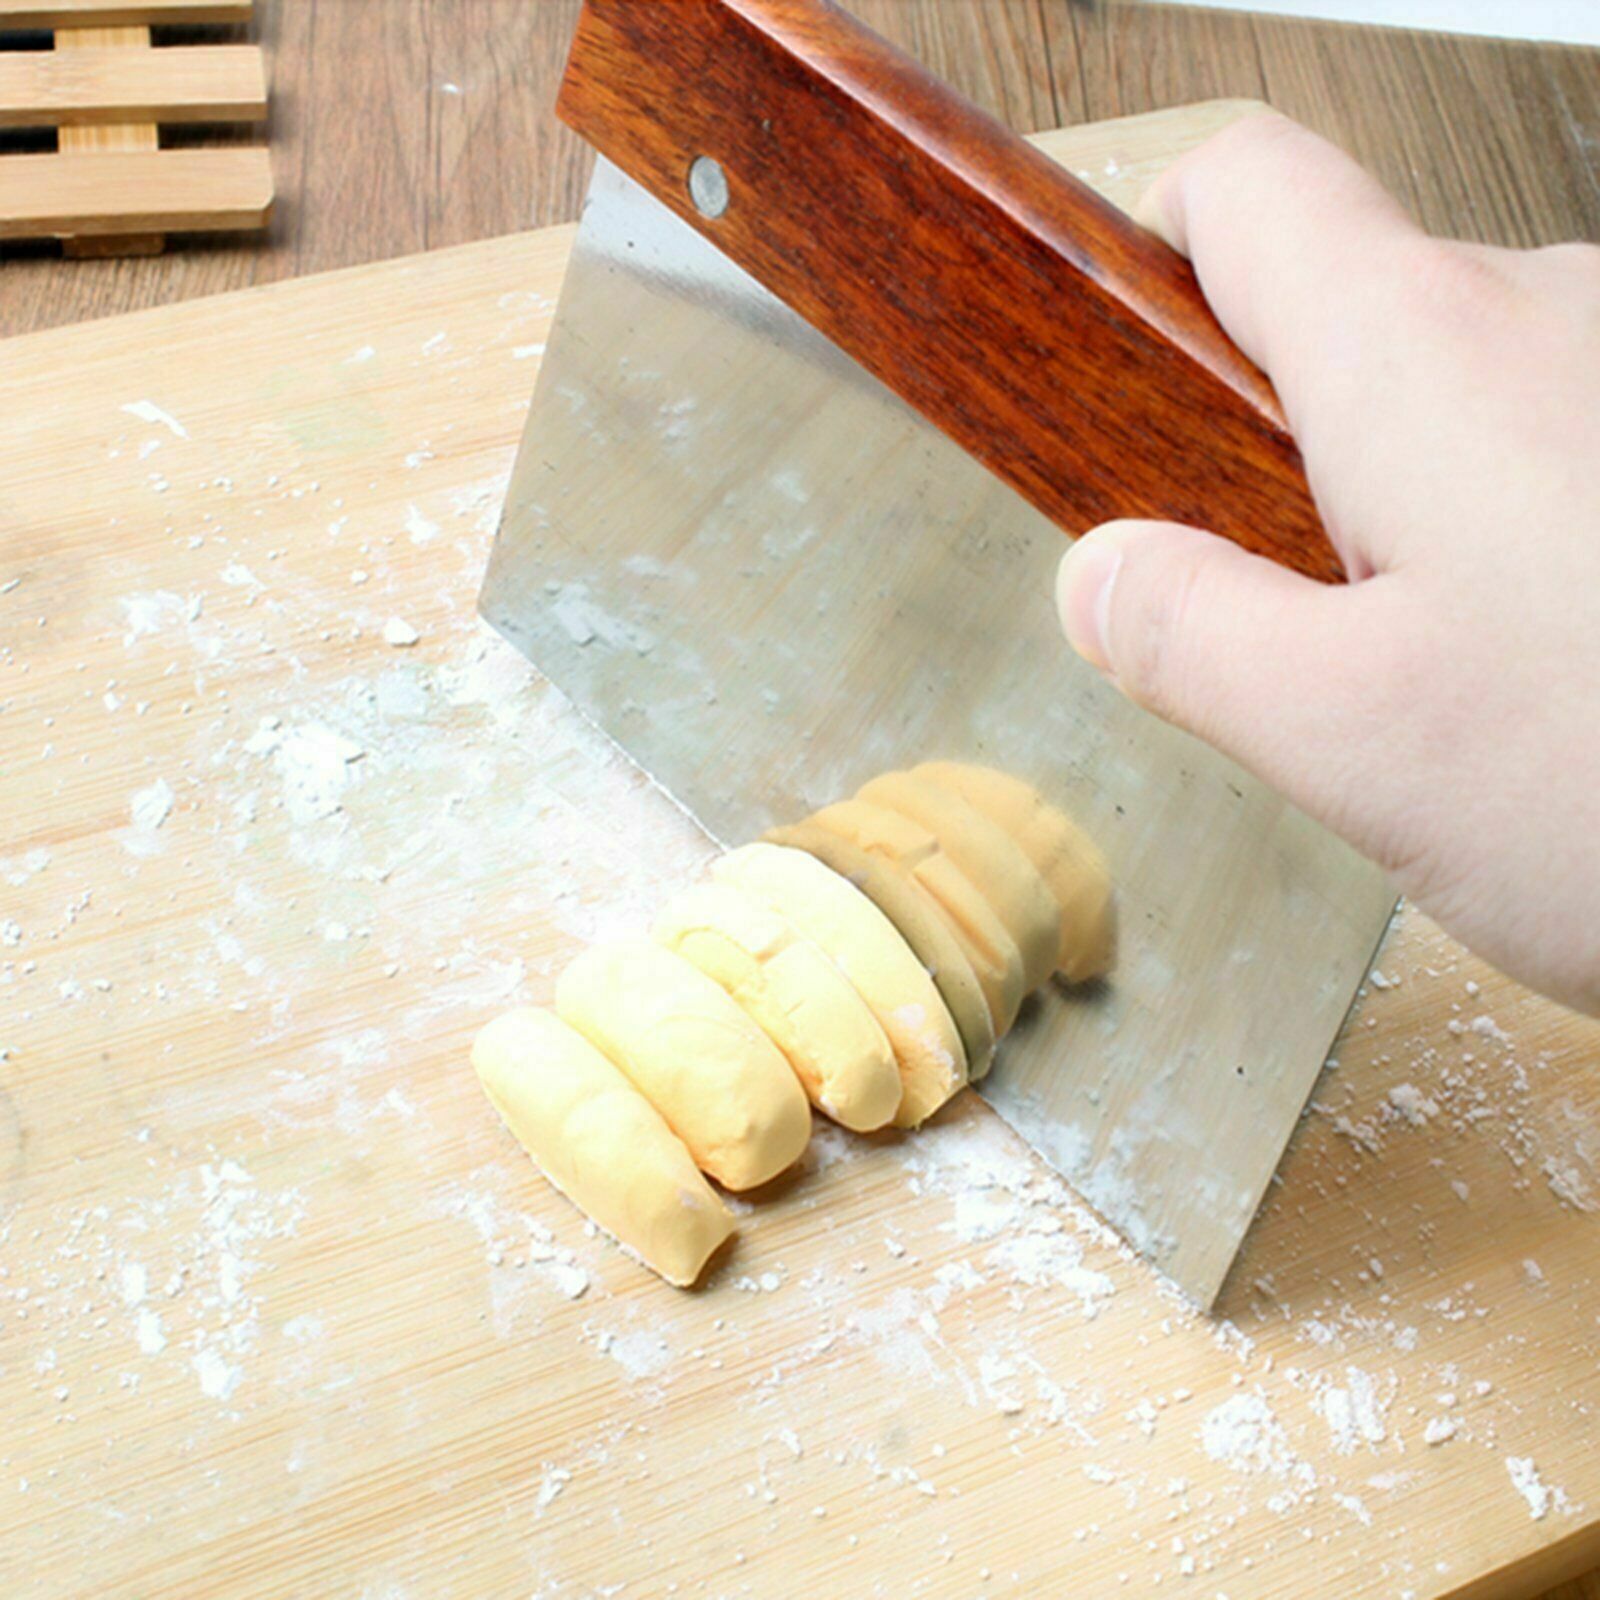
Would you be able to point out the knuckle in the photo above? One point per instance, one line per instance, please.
(1262, 127)
(1460, 285)
(1259, 133)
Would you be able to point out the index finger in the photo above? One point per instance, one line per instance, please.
(1298, 249)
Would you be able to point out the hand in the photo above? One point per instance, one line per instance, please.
(1442, 711)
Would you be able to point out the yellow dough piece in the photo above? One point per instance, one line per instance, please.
(600, 1142)
(1063, 854)
(794, 992)
(920, 923)
(865, 946)
(716, 1078)
(989, 856)
(912, 849)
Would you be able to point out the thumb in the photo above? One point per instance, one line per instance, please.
(1274, 670)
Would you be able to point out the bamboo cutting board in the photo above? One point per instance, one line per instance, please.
(284, 1313)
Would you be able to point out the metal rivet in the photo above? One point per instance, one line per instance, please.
(708, 187)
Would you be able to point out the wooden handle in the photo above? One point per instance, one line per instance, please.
(1063, 346)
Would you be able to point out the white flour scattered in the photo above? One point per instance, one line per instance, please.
(1355, 1506)
(641, 1353)
(218, 1378)
(1485, 1027)
(1244, 1433)
(1412, 1104)
(1540, 1496)
(149, 411)
(17, 870)
(570, 1280)
(1056, 1258)
(1039, 1233)
(150, 807)
(146, 615)
(220, 1263)
(521, 1253)
(196, 1246)
(399, 633)
(148, 1333)
(982, 1214)
(1568, 1183)
(314, 763)
(478, 504)
(555, 1479)
(1354, 1412)
(422, 529)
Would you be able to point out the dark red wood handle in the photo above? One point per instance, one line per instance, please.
(1063, 346)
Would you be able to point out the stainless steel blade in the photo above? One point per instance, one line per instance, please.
(769, 580)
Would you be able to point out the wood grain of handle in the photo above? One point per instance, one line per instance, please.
(1062, 345)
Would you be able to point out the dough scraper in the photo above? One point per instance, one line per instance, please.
(837, 363)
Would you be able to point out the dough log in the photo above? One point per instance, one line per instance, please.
(919, 922)
(1062, 853)
(795, 993)
(718, 1081)
(911, 849)
(866, 947)
(989, 856)
(600, 1142)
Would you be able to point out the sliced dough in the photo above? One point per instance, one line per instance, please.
(920, 923)
(600, 1142)
(910, 848)
(1063, 854)
(792, 990)
(716, 1078)
(989, 856)
(836, 916)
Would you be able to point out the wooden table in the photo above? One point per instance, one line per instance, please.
(435, 128)
(465, 148)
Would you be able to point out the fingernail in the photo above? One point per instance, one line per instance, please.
(1084, 582)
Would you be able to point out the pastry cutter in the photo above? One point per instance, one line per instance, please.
(837, 364)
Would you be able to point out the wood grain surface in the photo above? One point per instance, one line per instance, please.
(106, 84)
(135, 136)
(445, 136)
(284, 1311)
(128, 192)
(120, 13)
